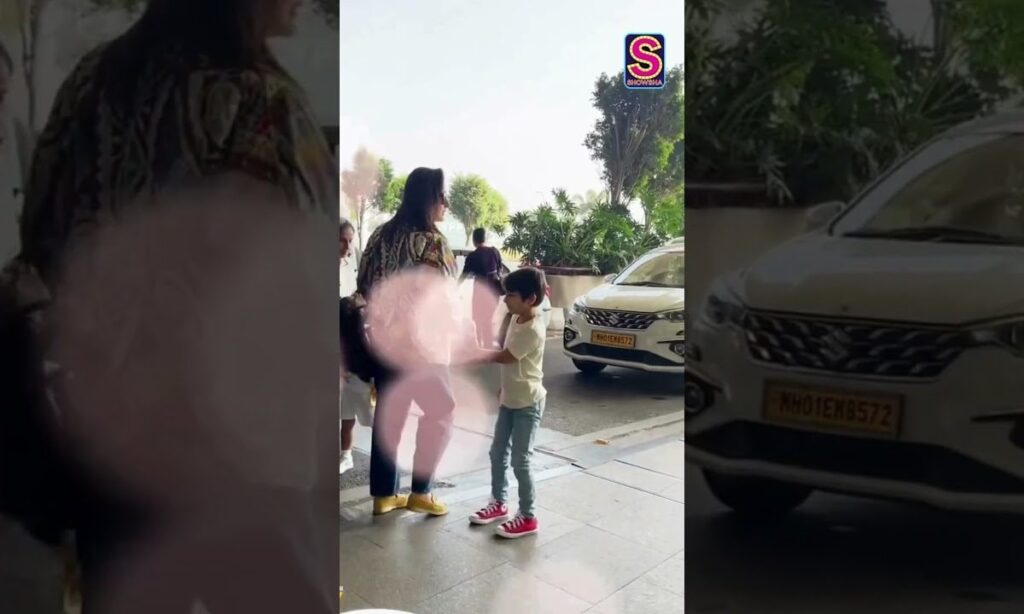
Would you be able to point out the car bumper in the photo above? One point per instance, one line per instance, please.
(652, 351)
(943, 456)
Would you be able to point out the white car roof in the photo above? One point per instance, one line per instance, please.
(671, 248)
(1005, 122)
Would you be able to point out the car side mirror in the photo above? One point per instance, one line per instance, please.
(609, 278)
(820, 215)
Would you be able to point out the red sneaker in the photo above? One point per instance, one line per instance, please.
(494, 512)
(520, 526)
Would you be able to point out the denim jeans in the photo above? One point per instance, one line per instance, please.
(515, 431)
(431, 389)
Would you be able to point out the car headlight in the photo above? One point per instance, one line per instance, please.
(723, 310)
(676, 316)
(1009, 335)
(577, 307)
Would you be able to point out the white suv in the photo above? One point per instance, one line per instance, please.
(879, 355)
(635, 320)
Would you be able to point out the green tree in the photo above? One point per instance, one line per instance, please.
(385, 175)
(476, 204)
(360, 184)
(591, 199)
(390, 196)
(660, 190)
(637, 130)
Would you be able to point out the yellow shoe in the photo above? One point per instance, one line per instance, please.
(383, 505)
(426, 504)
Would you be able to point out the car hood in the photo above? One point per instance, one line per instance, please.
(940, 283)
(635, 298)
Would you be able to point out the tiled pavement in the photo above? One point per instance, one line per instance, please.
(611, 541)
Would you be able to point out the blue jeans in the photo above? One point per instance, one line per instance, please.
(433, 433)
(515, 430)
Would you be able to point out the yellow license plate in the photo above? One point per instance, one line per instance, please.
(874, 414)
(613, 340)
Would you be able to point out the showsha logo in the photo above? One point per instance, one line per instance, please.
(645, 61)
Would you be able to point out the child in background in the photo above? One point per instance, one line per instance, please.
(522, 401)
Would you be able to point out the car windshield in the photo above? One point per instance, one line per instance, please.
(973, 196)
(658, 270)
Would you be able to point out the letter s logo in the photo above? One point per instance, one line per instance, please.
(647, 63)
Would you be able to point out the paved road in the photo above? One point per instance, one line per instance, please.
(577, 405)
(844, 555)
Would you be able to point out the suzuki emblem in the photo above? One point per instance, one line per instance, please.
(835, 346)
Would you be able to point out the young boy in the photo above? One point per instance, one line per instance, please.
(522, 400)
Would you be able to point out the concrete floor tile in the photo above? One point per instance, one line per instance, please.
(641, 597)
(670, 575)
(503, 590)
(666, 458)
(636, 477)
(676, 492)
(351, 601)
(587, 498)
(412, 571)
(658, 524)
(384, 531)
(590, 563)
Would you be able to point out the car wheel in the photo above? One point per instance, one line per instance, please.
(589, 368)
(756, 498)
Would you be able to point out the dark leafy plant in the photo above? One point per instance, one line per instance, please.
(810, 102)
(605, 240)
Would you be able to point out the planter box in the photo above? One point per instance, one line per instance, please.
(701, 195)
(569, 284)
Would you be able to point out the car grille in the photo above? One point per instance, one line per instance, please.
(628, 320)
(869, 349)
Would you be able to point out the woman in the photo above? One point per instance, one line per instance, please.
(484, 265)
(188, 99)
(410, 239)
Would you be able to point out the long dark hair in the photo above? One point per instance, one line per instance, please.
(220, 34)
(423, 189)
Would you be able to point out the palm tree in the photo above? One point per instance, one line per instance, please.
(590, 200)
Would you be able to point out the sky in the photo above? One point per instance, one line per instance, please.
(499, 89)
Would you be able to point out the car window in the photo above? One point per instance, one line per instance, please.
(656, 270)
(979, 189)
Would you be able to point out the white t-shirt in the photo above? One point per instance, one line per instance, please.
(348, 270)
(522, 382)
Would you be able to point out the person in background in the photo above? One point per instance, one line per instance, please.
(355, 393)
(409, 240)
(484, 265)
(522, 400)
(348, 259)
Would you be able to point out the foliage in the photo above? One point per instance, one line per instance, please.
(476, 204)
(389, 195)
(605, 240)
(661, 191)
(360, 185)
(328, 9)
(636, 132)
(814, 103)
(586, 202)
(381, 196)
